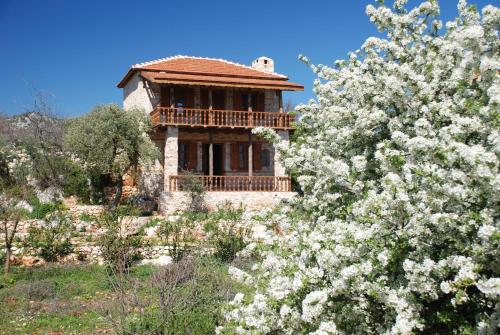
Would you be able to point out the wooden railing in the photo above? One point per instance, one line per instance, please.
(231, 183)
(166, 116)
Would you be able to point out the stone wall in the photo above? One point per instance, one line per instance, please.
(170, 202)
(138, 94)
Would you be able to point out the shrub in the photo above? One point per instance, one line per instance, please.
(52, 239)
(119, 249)
(187, 299)
(178, 235)
(196, 193)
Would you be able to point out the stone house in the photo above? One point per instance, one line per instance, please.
(203, 111)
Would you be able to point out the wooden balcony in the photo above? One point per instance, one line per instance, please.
(188, 117)
(231, 183)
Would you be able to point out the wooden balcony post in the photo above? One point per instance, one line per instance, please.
(250, 123)
(210, 155)
(280, 102)
(210, 107)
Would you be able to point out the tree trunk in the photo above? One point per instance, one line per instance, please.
(8, 253)
(118, 191)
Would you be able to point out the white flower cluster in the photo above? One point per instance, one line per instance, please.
(398, 230)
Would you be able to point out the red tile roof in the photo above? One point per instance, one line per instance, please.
(208, 71)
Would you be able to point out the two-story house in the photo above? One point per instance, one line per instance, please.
(203, 111)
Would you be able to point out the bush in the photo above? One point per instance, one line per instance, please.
(52, 239)
(119, 249)
(188, 300)
(178, 235)
(229, 240)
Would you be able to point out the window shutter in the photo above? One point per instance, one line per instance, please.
(193, 156)
(256, 156)
(234, 156)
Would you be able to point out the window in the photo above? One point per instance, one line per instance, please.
(183, 156)
(266, 158)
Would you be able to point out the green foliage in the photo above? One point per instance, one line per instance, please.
(41, 209)
(190, 297)
(85, 217)
(196, 193)
(76, 182)
(178, 234)
(119, 249)
(55, 299)
(111, 141)
(52, 239)
(228, 241)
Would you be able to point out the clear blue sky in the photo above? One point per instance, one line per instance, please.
(77, 51)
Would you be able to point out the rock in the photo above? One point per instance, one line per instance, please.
(24, 205)
(31, 261)
(49, 194)
(160, 261)
(150, 231)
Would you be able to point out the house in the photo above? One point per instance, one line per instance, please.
(203, 111)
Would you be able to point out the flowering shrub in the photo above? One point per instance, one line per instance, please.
(398, 161)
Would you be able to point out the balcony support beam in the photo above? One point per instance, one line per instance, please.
(250, 154)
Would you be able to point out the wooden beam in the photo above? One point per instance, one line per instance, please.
(249, 100)
(280, 97)
(172, 100)
(210, 103)
(250, 154)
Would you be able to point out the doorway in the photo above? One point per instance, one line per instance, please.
(218, 162)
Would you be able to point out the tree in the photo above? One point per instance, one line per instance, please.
(10, 216)
(14, 170)
(398, 160)
(111, 141)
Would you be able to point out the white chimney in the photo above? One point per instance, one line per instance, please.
(263, 64)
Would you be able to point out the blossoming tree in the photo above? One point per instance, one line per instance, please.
(398, 159)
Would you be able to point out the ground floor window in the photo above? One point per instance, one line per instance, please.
(183, 156)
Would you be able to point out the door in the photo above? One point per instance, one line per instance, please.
(218, 159)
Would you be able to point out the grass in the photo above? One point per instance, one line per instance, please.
(59, 299)
(69, 299)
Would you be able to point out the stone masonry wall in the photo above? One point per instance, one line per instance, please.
(135, 95)
(170, 202)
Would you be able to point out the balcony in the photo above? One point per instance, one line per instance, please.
(231, 183)
(189, 117)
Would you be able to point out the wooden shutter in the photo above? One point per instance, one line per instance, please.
(234, 156)
(165, 96)
(192, 156)
(256, 156)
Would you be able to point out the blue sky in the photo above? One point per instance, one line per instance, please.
(77, 51)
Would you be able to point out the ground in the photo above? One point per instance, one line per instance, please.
(68, 299)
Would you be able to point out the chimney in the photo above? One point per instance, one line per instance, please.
(263, 64)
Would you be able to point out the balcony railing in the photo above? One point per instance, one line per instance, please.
(166, 116)
(231, 183)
